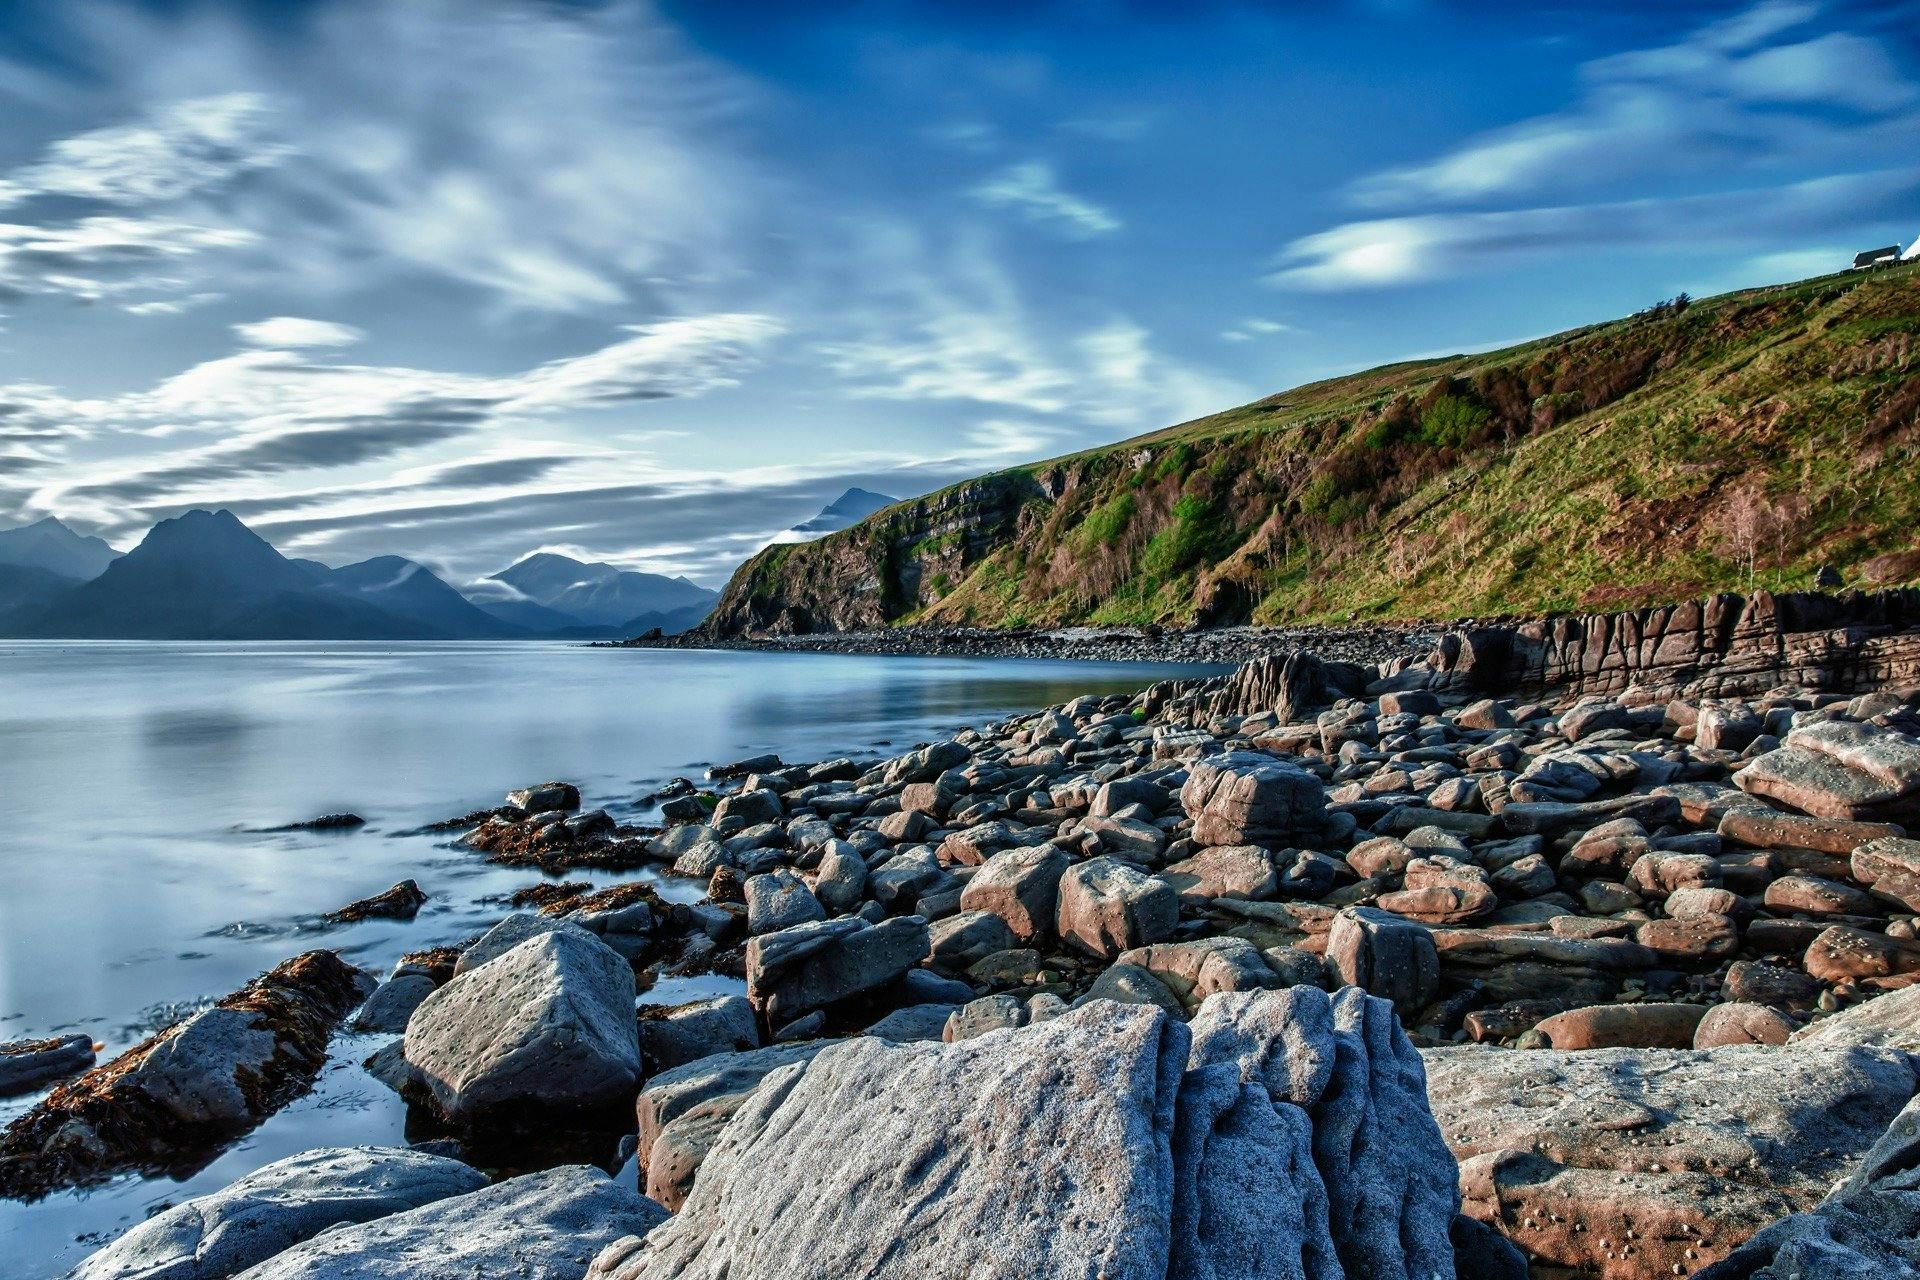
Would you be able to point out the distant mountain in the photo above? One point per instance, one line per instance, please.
(50, 546)
(597, 595)
(206, 576)
(410, 591)
(849, 508)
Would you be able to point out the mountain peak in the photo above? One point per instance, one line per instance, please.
(51, 545)
(849, 508)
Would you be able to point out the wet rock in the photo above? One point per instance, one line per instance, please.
(389, 1007)
(541, 1226)
(811, 966)
(176, 1097)
(402, 902)
(276, 1207)
(1108, 906)
(548, 1027)
(545, 797)
(25, 1065)
(325, 822)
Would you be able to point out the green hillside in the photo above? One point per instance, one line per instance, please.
(1753, 437)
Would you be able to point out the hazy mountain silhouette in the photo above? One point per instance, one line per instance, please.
(50, 546)
(600, 595)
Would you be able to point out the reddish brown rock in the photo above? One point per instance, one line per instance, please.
(1739, 1023)
(1816, 897)
(1693, 938)
(1843, 953)
(1624, 1026)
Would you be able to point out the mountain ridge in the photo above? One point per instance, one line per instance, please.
(1744, 440)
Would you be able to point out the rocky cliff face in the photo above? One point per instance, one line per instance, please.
(1723, 646)
(1762, 439)
(889, 565)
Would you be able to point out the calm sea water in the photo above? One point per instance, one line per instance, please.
(137, 879)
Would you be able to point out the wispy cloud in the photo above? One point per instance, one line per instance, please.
(1736, 105)
(281, 411)
(1033, 190)
(294, 332)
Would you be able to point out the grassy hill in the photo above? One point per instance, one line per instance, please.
(1745, 439)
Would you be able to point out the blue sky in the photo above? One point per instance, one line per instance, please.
(462, 279)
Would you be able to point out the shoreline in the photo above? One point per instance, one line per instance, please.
(1225, 646)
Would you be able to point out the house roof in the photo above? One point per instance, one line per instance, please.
(1876, 255)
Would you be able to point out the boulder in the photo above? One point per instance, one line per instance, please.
(545, 797)
(177, 1097)
(840, 879)
(686, 1033)
(1108, 906)
(388, 1008)
(542, 1226)
(811, 966)
(779, 900)
(25, 1065)
(402, 902)
(1285, 1134)
(1225, 871)
(1890, 867)
(1625, 1164)
(510, 933)
(1737, 1023)
(1246, 797)
(960, 941)
(1442, 890)
(275, 1207)
(1192, 971)
(1624, 1026)
(676, 1091)
(1837, 769)
(1022, 887)
(1891, 1021)
(1385, 955)
(546, 1027)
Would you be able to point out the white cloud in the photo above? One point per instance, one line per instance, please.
(1032, 190)
(1255, 327)
(559, 159)
(275, 412)
(293, 332)
(179, 149)
(1726, 97)
(100, 257)
(1398, 251)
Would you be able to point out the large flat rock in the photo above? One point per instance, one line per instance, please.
(1692, 1151)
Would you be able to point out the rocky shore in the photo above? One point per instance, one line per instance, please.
(1223, 645)
(1584, 949)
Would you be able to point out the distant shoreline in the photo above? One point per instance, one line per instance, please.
(1224, 645)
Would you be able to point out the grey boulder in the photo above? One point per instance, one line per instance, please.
(548, 1025)
(276, 1207)
(543, 1226)
(1285, 1134)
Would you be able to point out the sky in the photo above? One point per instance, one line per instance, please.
(650, 282)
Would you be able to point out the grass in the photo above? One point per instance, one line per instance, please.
(1600, 468)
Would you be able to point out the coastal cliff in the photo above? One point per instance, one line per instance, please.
(1745, 441)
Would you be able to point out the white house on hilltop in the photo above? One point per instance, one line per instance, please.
(1877, 257)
